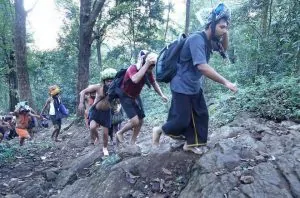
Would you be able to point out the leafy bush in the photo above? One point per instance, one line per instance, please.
(156, 110)
(276, 100)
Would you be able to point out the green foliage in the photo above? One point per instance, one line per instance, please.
(156, 110)
(7, 153)
(264, 44)
(277, 100)
(140, 25)
(6, 49)
(49, 68)
(10, 150)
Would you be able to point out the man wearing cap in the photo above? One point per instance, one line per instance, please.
(100, 111)
(136, 76)
(188, 115)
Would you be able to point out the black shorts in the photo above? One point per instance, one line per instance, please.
(56, 122)
(131, 106)
(103, 118)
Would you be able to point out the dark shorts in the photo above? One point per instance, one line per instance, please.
(131, 106)
(102, 118)
(56, 122)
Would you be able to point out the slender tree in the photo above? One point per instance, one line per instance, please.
(187, 16)
(88, 17)
(168, 20)
(20, 52)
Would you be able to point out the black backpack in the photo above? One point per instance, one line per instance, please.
(166, 65)
(114, 88)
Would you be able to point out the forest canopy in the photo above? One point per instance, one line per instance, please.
(263, 56)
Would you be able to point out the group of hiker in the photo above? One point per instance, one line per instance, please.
(188, 114)
(102, 112)
(21, 122)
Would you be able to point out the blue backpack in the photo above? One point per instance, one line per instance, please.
(60, 109)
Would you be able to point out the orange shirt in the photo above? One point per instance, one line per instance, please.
(22, 121)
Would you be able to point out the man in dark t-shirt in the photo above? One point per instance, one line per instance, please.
(188, 115)
(136, 77)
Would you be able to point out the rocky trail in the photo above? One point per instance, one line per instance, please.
(249, 157)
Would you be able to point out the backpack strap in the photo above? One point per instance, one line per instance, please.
(208, 47)
(105, 94)
(56, 101)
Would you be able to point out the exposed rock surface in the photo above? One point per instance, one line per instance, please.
(249, 157)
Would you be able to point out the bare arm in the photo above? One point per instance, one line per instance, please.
(35, 115)
(136, 78)
(150, 60)
(33, 111)
(158, 90)
(90, 88)
(209, 72)
(45, 106)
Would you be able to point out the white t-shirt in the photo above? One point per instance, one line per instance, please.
(52, 109)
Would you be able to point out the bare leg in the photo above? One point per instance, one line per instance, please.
(56, 135)
(105, 137)
(93, 131)
(133, 122)
(136, 131)
(86, 112)
(105, 141)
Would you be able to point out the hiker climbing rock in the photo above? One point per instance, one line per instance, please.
(56, 116)
(135, 78)
(188, 114)
(23, 114)
(100, 111)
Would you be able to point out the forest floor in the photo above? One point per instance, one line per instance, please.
(236, 153)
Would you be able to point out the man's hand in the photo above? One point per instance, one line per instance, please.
(165, 98)
(231, 86)
(151, 59)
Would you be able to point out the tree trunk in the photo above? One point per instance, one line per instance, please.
(88, 16)
(20, 50)
(187, 16)
(265, 15)
(98, 47)
(11, 76)
(12, 83)
(167, 22)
